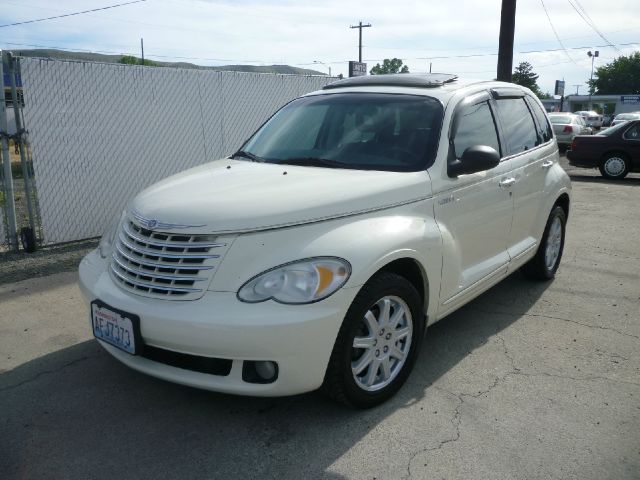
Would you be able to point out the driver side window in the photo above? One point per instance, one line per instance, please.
(476, 127)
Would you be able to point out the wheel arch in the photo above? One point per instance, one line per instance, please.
(608, 153)
(414, 272)
(564, 202)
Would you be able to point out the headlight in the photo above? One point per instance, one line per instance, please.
(303, 281)
(106, 242)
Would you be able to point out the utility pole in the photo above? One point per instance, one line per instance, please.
(577, 89)
(360, 26)
(593, 57)
(324, 64)
(142, 49)
(507, 31)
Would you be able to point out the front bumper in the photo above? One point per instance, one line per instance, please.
(299, 338)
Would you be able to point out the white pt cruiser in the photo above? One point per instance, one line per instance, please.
(317, 255)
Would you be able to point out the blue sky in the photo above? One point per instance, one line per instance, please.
(456, 36)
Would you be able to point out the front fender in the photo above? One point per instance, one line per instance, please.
(368, 242)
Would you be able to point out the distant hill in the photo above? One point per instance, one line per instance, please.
(99, 57)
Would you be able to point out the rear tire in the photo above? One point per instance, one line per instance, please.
(614, 166)
(547, 260)
(378, 342)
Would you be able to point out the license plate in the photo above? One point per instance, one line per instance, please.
(120, 329)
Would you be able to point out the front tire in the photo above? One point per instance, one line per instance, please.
(378, 342)
(614, 166)
(547, 260)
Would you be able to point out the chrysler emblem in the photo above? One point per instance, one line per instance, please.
(151, 223)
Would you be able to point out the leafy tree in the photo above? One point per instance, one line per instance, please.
(525, 76)
(393, 65)
(131, 60)
(618, 77)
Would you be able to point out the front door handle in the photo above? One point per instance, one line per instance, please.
(547, 164)
(507, 182)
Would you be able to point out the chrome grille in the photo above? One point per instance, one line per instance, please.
(164, 264)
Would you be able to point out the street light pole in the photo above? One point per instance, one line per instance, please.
(324, 64)
(593, 57)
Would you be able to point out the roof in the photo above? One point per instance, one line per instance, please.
(430, 80)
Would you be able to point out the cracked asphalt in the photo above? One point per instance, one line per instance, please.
(529, 381)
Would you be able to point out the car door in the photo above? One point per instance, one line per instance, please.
(631, 139)
(473, 211)
(532, 152)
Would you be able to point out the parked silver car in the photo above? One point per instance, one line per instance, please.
(566, 126)
(625, 117)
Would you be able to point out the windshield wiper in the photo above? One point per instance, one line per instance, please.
(249, 155)
(314, 162)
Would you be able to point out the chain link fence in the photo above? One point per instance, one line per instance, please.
(100, 133)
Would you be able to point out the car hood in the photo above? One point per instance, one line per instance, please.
(230, 196)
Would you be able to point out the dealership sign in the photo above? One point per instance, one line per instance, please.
(357, 69)
(630, 99)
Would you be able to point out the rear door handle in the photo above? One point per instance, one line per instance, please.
(547, 164)
(507, 182)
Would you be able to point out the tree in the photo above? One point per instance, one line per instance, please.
(618, 77)
(131, 60)
(389, 66)
(525, 76)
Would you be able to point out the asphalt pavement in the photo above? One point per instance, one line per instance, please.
(529, 381)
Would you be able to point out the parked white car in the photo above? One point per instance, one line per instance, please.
(318, 254)
(625, 117)
(591, 118)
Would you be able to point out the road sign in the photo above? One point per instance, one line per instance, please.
(559, 88)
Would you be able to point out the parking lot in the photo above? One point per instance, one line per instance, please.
(530, 380)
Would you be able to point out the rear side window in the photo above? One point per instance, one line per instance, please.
(544, 129)
(519, 129)
(633, 133)
(476, 127)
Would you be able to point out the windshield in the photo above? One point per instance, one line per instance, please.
(559, 119)
(627, 116)
(351, 130)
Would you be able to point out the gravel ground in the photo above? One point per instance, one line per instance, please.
(15, 267)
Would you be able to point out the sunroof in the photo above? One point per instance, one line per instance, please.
(428, 80)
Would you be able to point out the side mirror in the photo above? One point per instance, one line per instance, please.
(474, 159)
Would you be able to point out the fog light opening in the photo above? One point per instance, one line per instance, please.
(262, 371)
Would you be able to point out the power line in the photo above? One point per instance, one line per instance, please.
(556, 33)
(72, 14)
(335, 62)
(590, 22)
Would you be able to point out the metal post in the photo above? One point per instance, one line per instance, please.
(12, 234)
(505, 43)
(593, 57)
(17, 110)
(360, 43)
